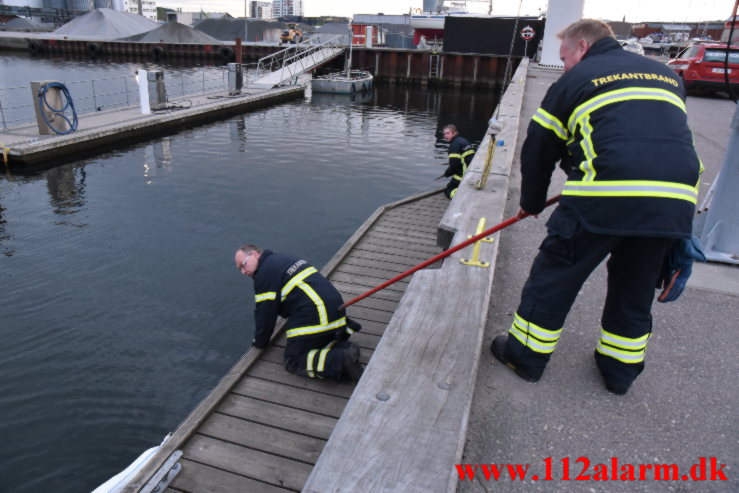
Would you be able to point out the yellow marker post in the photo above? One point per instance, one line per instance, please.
(475, 260)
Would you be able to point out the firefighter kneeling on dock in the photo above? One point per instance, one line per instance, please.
(316, 329)
(461, 153)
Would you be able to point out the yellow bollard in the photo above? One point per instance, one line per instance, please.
(475, 260)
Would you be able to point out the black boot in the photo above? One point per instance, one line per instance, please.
(352, 368)
(617, 376)
(498, 348)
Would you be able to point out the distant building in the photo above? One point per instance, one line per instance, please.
(284, 8)
(148, 7)
(261, 10)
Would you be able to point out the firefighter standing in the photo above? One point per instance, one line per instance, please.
(617, 122)
(461, 153)
(316, 330)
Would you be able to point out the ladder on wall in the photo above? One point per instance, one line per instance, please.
(434, 66)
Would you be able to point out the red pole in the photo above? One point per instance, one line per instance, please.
(444, 254)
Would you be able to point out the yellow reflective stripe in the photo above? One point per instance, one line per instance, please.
(619, 95)
(309, 363)
(315, 329)
(295, 280)
(624, 342)
(453, 193)
(324, 353)
(539, 332)
(458, 156)
(622, 356)
(624, 349)
(457, 177)
(550, 122)
(589, 151)
(631, 188)
(470, 152)
(265, 296)
(320, 307)
(534, 337)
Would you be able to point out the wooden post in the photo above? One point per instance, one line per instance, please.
(238, 50)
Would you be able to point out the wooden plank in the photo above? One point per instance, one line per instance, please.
(405, 262)
(369, 281)
(416, 216)
(350, 291)
(277, 415)
(410, 257)
(382, 244)
(416, 221)
(290, 396)
(236, 459)
(366, 271)
(367, 314)
(394, 223)
(276, 372)
(331, 264)
(403, 238)
(430, 235)
(196, 477)
(265, 438)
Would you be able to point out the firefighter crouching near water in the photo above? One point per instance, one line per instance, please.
(316, 330)
(461, 153)
(618, 123)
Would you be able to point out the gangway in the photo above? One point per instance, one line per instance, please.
(288, 64)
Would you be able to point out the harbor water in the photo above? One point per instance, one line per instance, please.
(121, 305)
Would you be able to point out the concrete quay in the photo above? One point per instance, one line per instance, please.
(682, 408)
(105, 130)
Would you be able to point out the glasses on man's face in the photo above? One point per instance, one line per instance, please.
(243, 263)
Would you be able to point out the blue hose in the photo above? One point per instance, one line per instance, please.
(43, 103)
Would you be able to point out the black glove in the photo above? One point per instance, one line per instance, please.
(677, 267)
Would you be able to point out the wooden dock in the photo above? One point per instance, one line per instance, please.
(262, 429)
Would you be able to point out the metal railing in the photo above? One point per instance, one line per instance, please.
(17, 104)
(297, 59)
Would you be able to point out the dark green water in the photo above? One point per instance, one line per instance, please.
(121, 307)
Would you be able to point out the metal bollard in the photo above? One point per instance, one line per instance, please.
(235, 80)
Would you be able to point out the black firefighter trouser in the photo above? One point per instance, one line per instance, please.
(321, 355)
(567, 256)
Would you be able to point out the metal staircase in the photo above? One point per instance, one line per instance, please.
(286, 65)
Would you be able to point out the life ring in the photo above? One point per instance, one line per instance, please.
(157, 52)
(226, 52)
(94, 49)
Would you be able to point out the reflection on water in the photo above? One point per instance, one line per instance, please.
(121, 308)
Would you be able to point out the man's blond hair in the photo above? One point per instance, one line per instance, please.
(590, 30)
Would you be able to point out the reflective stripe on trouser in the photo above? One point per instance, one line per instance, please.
(451, 188)
(566, 258)
(624, 349)
(316, 357)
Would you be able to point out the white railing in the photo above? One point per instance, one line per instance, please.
(17, 104)
(297, 59)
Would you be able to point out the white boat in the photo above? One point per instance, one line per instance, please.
(344, 82)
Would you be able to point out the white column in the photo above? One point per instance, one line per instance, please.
(560, 14)
(143, 82)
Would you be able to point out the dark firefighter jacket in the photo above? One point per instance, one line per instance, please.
(618, 123)
(461, 153)
(293, 289)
